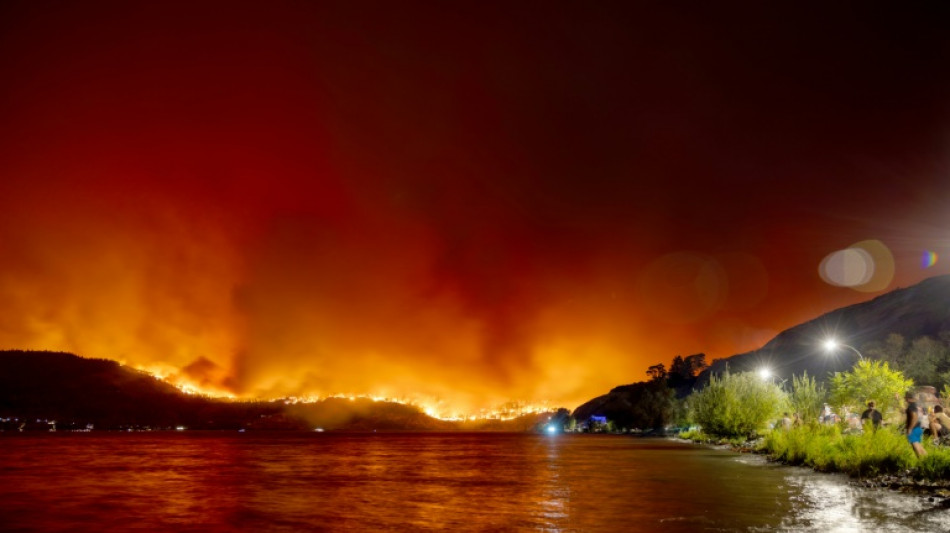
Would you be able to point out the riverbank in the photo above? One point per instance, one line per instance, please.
(878, 459)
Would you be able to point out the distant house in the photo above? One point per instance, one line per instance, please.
(595, 424)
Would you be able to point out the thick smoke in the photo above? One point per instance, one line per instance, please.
(452, 204)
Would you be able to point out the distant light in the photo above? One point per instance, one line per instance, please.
(319, 430)
(831, 345)
(552, 429)
(765, 373)
(177, 428)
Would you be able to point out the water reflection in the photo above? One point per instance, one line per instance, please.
(829, 505)
(424, 482)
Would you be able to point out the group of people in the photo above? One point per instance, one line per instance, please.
(918, 421)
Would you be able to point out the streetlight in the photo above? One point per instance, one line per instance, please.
(832, 345)
(765, 374)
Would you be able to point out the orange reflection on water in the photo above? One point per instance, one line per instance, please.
(216, 481)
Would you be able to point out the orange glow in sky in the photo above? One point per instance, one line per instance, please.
(459, 207)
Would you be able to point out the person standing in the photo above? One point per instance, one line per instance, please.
(912, 425)
(872, 414)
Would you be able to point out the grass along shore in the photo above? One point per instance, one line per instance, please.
(884, 453)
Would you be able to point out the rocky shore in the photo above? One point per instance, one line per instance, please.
(906, 482)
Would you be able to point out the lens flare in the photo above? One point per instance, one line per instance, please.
(928, 259)
(847, 268)
(866, 266)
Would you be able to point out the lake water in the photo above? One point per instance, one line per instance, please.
(196, 481)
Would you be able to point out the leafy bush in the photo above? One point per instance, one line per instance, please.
(869, 380)
(697, 435)
(808, 397)
(825, 448)
(936, 464)
(736, 405)
(694, 435)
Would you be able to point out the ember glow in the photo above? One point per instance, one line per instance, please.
(433, 407)
(455, 206)
(439, 409)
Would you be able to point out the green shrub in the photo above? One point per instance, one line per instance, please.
(697, 435)
(808, 397)
(736, 405)
(936, 464)
(825, 448)
(868, 380)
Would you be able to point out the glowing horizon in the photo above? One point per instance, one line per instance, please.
(433, 407)
(446, 204)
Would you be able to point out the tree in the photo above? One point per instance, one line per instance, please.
(808, 397)
(696, 363)
(657, 372)
(890, 349)
(560, 419)
(736, 405)
(925, 360)
(678, 368)
(683, 371)
(643, 405)
(869, 380)
(920, 361)
(655, 407)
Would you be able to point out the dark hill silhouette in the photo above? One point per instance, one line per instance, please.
(913, 312)
(73, 390)
(38, 387)
(916, 311)
(639, 405)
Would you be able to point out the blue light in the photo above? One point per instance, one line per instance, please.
(552, 429)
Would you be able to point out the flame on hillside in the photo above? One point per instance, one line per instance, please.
(174, 378)
(437, 409)
(431, 407)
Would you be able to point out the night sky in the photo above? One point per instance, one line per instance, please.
(469, 201)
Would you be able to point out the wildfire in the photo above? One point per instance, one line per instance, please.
(171, 376)
(431, 407)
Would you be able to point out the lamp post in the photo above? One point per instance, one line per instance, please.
(766, 374)
(831, 345)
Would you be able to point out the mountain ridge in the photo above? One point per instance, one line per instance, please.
(38, 388)
(919, 310)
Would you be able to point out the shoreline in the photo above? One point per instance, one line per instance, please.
(903, 482)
